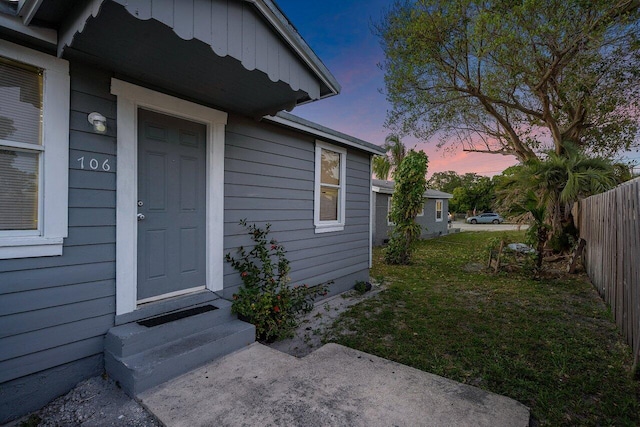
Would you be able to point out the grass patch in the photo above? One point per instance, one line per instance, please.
(550, 344)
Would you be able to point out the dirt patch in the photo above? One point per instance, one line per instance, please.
(311, 331)
(93, 402)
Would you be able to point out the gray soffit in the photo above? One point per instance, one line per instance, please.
(322, 132)
(238, 55)
(387, 187)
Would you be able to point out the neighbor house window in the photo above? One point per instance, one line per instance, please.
(34, 145)
(438, 210)
(330, 183)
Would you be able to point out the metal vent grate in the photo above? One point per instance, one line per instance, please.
(166, 318)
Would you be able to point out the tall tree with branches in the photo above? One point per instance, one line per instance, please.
(515, 77)
(383, 166)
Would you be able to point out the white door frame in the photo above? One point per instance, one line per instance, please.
(130, 98)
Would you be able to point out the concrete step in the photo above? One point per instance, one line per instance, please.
(132, 338)
(160, 363)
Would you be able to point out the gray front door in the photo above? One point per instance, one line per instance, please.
(171, 205)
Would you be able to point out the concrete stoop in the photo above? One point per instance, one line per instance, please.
(144, 354)
(333, 386)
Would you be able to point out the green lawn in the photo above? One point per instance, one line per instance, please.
(550, 344)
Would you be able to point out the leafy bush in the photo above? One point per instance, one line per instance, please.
(407, 201)
(266, 300)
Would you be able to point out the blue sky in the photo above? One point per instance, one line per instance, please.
(340, 33)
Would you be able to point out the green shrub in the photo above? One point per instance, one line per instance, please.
(407, 201)
(266, 300)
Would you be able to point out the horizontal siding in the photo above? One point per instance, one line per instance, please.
(269, 178)
(55, 356)
(44, 339)
(54, 316)
(21, 302)
(43, 278)
(72, 256)
(55, 310)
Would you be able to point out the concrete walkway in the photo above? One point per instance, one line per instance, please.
(333, 386)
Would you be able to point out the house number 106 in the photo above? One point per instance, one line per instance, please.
(94, 164)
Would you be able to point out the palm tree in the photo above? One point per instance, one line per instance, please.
(563, 179)
(383, 166)
(547, 189)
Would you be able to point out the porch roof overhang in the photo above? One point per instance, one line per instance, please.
(242, 55)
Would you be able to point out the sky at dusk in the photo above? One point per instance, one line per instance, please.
(340, 33)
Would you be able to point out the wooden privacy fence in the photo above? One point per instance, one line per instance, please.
(610, 224)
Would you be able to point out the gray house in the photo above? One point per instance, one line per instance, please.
(432, 219)
(134, 135)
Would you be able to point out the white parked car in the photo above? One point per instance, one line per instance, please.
(486, 218)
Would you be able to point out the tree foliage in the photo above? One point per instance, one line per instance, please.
(470, 191)
(514, 77)
(445, 181)
(383, 166)
(477, 195)
(556, 183)
(406, 203)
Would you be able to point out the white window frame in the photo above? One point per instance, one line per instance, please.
(53, 188)
(441, 203)
(337, 225)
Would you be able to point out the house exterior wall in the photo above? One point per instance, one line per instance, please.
(381, 229)
(269, 178)
(430, 227)
(54, 311)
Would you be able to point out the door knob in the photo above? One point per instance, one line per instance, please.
(140, 217)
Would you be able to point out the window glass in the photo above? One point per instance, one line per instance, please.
(330, 169)
(20, 127)
(20, 103)
(19, 190)
(329, 204)
(329, 188)
(438, 210)
(329, 185)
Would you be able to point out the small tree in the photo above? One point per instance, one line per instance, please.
(383, 166)
(406, 203)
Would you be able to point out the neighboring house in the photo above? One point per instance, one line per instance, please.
(432, 219)
(110, 219)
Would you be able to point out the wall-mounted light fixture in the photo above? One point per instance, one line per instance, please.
(98, 121)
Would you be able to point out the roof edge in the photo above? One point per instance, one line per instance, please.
(295, 122)
(281, 23)
(388, 187)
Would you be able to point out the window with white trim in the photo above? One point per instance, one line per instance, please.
(439, 205)
(330, 188)
(34, 150)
